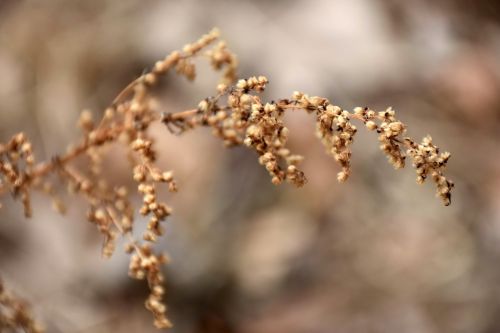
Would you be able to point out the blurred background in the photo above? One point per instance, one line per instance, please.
(375, 254)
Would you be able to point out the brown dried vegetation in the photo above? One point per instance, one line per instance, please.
(15, 313)
(236, 114)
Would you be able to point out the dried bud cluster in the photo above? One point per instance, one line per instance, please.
(16, 163)
(246, 120)
(147, 176)
(15, 314)
(427, 160)
(425, 156)
(221, 57)
(182, 61)
(333, 127)
(236, 115)
(144, 264)
(390, 131)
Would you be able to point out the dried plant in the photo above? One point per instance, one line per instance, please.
(236, 114)
(15, 314)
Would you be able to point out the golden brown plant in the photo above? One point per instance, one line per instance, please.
(236, 114)
(15, 313)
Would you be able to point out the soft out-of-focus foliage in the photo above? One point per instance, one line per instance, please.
(376, 254)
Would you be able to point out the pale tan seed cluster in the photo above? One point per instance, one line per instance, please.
(221, 58)
(245, 119)
(333, 127)
(236, 114)
(390, 131)
(425, 156)
(146, 265)
(428, 161)
(147, 175)
(15, 314)
(267, 134)
(16, 162)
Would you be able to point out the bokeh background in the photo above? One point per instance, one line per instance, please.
(376, 254)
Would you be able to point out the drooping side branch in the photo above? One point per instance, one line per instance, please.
(236, 114)
(241, 118)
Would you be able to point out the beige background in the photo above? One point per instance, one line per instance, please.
(376, 254)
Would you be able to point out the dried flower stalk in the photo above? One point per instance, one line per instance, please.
(237, 116)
